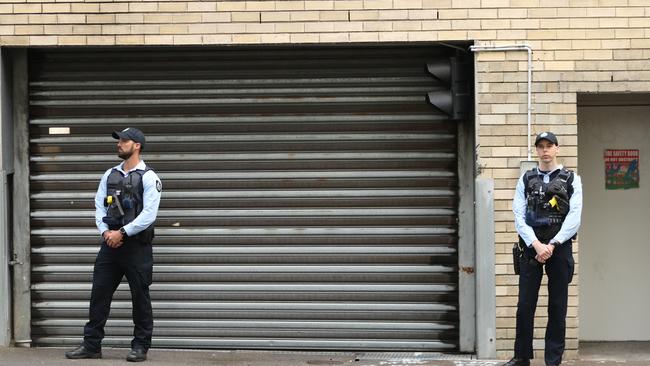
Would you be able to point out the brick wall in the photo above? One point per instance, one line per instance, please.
(579, 46)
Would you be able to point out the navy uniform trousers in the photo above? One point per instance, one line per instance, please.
(135, 261)
(559, 269)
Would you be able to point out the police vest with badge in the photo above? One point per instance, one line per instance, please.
(547, 204)
(124, 201)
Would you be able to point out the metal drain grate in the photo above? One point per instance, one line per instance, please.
(418, 356)
(305, 353)
(334, 358)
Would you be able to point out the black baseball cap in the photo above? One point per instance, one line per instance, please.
(130, 133)
(550, 136)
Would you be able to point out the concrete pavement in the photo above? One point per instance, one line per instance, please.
(13, 356)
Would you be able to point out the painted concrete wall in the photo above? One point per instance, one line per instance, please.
(614, 237)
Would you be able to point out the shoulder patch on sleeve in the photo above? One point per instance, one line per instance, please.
(158, 186)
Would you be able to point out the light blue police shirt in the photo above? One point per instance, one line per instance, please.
(151, 200)
(571, 222)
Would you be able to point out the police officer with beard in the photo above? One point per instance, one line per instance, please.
(126, 206)
(547, 208)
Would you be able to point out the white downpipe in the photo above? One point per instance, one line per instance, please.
(516, 47)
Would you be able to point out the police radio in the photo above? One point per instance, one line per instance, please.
(127, 199)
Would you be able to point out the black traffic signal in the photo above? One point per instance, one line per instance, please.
(454, 96)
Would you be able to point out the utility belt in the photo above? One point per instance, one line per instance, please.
(523, 255)
(521, 251)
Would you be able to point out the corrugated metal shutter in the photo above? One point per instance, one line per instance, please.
(310, 195)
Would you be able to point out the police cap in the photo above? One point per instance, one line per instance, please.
(130, 133)
(550, 136)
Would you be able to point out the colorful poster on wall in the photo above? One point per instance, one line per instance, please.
(621, 168)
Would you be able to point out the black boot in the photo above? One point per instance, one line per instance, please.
(518, 362)
(83, 352)
(137, 354)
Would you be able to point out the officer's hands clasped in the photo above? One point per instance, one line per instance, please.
(113, 238)
(118, 206)
(544, 251)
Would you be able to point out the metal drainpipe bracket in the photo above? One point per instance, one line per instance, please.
(14, 261)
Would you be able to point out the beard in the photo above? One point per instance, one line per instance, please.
(125, 154)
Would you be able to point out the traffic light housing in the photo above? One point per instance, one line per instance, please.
(453, 98)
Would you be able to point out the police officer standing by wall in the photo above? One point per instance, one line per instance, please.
(126, 205)
(547, 208)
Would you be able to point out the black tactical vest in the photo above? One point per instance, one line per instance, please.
(126, 201)
(547, 204)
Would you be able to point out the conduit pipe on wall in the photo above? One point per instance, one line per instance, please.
(516, 47)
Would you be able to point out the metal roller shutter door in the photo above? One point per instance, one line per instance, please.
(310, 195)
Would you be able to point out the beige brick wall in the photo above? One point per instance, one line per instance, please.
(580, 46)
